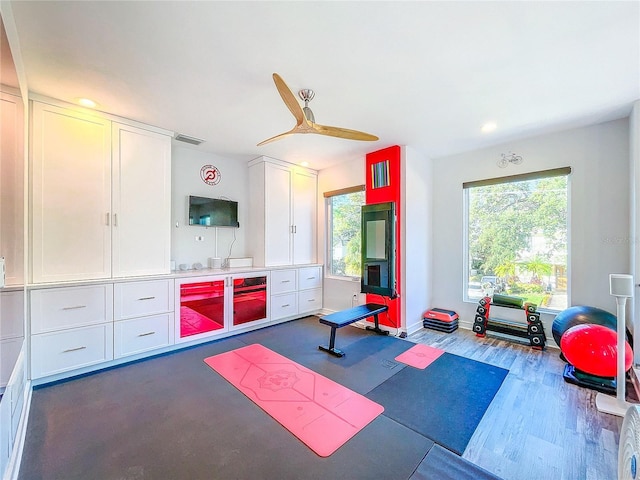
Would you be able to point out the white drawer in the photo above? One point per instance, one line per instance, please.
(283, 305)
(9, 352)
(59, 308)
(310, 300)
(309, 277)
(142, 334)
(71, 349)
(283, 281)
(136, 299)
(12, 314)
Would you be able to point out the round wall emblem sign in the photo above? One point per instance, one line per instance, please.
(210, 175)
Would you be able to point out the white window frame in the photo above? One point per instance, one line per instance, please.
(329, 232)
(563, 171)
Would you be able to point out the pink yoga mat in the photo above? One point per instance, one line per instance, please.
(320, 412)
(420, 356)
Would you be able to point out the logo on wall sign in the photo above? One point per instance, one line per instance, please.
(210, 175)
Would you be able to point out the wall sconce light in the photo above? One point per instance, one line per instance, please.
(509, 158)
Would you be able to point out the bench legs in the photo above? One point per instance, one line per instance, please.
(377, 328)
(331, 348)
(332, 339)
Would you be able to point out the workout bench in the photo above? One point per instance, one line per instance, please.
(347, 317)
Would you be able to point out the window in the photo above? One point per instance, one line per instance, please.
(516, 238)
(343, 231)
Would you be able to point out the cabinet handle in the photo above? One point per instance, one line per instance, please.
(285, 281)
(73, 349)
(311, 278)
(295, 229)
(115, 219)
(108, 219)
(146, 334)
(285, 305)
(146, 298)
(311, 300)
(75, 307)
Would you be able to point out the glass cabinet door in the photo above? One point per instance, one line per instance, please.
(202, 307)
(249, 300)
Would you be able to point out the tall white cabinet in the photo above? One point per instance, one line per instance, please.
(12, 187)
(283, 213)
(100, 197)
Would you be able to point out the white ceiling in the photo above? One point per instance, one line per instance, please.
(425, 74)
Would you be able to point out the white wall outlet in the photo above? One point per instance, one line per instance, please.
(2, 272)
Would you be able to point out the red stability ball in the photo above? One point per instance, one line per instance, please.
(593, 349)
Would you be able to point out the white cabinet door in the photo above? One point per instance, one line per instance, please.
(71, 195)
(141, 201)
(278, 225)
(12, 187)
(304, 216)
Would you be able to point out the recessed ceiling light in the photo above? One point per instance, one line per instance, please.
(85, 102)
(304, 164)
(488, 127)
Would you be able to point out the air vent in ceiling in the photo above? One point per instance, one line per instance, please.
(191, 140)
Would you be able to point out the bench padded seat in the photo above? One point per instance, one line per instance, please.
(346, 317)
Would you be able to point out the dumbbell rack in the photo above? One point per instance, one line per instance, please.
(533, 330)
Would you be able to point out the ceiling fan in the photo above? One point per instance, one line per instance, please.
(305, 121)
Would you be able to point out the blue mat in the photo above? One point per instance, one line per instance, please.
(444, 402)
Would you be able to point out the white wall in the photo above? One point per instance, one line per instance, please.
(338, 292)
(185, 178)
(417, 238)
(599, 210)
(634, 180)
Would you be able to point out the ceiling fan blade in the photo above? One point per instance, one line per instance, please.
(289, 99)
(344, 133)
(277, 137)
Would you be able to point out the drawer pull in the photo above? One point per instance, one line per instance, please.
(73, 349)
(146, 334)
(146, 298)
(311, 300)
(285, 305)
(285, 281)
(74, 307)
(311, 278)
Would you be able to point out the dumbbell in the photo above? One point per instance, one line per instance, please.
(537, 341)
(479, 329)
(533, 317)
(535, 328)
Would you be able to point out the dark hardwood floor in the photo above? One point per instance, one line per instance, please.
(538, 426)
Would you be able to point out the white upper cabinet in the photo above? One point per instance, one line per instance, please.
(304, 206)
(100, 197)
(70, 195)
(282, 213)
(12, 187)
(141, 201)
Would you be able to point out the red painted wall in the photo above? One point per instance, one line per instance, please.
(390, 193)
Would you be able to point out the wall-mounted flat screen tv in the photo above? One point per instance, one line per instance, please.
(213, 212)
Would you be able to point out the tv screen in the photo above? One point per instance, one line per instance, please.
(213, 212)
